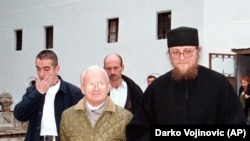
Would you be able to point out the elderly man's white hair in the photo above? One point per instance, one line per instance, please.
(91, 68)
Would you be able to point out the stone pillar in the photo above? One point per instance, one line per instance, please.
(5, 101)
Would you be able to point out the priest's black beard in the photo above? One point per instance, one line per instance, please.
(190, 74)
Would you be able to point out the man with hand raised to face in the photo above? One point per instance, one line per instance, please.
(46, 99)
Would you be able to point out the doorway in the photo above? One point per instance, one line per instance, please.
(242, 63)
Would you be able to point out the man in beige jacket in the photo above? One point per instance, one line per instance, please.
(95, 117)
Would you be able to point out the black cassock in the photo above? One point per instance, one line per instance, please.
(209, 99)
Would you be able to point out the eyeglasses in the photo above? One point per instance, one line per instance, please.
(91, 86)
(188, 52)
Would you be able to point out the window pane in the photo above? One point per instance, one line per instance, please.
(164, 24)
(19, 39)
(113, 30)
(49, 37)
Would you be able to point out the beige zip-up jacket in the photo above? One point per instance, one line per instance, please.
(111, 126)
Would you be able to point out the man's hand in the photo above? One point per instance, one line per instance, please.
(43, 85)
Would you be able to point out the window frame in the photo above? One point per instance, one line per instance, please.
(19, 39)
(49, 37)
(113, 29)
(163, 24)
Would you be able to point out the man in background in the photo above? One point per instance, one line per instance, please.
(150, 79)
(124, 91)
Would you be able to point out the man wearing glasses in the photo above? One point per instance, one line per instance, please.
(189, 94)
(95, 117)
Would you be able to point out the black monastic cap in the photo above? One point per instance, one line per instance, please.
(183, 36)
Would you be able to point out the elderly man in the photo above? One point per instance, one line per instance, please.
(189, 94)
(95, 117)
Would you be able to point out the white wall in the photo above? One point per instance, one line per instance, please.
(226, 25)
(80, 29)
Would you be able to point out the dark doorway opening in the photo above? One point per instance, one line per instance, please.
(242, 63)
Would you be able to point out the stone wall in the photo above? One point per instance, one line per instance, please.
(10, 128)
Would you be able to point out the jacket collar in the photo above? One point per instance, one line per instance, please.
(109, 107)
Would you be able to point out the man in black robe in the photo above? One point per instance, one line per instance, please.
(189, 94)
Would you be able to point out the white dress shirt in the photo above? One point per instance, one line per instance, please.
(119, 95)
(48, 125)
